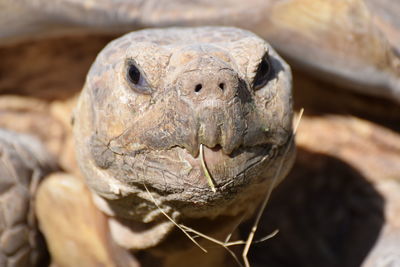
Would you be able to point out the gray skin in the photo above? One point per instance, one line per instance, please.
(354, 44)
(129, 135)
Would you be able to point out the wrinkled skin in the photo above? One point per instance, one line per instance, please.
(129, 135)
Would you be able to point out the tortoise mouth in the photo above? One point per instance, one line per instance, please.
(178, 166)
(228, 169)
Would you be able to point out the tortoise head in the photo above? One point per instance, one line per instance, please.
(153, 97)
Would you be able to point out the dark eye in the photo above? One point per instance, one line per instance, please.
(133, 74)
(136, 79)
(263, 74)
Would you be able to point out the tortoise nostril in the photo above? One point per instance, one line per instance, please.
(198, 88)
(222, 86)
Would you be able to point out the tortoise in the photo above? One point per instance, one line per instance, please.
(155, 103)
(331, 46)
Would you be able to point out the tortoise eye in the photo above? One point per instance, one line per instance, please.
(137, 81)
(133, 74)
(263, 74)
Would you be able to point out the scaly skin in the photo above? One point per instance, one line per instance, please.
(23, 163)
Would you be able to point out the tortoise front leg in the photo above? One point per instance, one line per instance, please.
(76, 231)
(23, 163)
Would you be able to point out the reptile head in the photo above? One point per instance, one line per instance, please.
(153, 97)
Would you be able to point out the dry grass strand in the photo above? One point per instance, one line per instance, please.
(250, 237)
